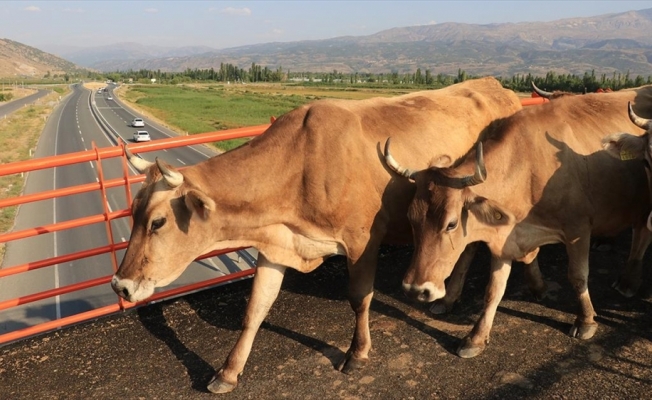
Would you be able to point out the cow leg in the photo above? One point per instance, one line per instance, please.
(265, 289)
(475, 342)
(534, 280)
(584, 326)
(456, 282)
(629, 280)
(361, 282)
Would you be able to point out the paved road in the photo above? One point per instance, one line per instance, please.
(11, 106)
(74, 127)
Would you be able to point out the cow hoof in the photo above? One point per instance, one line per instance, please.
(583, 331)
(646, 292)
(539, 293)
(440, 308)
(217, 385)
(351, 364)
(623, 288)
(468, 349)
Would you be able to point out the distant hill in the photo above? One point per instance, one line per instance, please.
(89, 57)
(613, 42)
(607, 44)
(19, 60)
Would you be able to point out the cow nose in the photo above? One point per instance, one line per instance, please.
(417, 294)
(424, 293)
(119, 288)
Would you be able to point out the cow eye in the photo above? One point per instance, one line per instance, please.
(157, 223)
(451, 225)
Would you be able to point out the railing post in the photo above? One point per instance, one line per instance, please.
(107, 220)
(125, 174)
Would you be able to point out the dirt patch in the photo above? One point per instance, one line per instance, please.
(171, 349)
(94, 85)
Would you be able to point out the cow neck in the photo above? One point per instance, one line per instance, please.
(254, 176)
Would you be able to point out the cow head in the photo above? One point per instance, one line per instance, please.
(626, 146)
(171, 228)
(443, 214)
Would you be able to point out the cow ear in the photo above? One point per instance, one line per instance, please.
(198, 202)
(489, 213)
(625, 146)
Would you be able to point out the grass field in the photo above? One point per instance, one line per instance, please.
(205, 108)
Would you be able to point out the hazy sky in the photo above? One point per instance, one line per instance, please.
(223, 24)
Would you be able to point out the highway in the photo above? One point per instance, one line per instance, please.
(11, 106)
(84, 117)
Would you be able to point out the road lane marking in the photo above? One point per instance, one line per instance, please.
(181, 162)
(57, 299)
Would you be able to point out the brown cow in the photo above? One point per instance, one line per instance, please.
(310, 187)
(626, 146)
(541, 178)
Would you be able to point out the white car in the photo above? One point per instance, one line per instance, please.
(138, 123)
(141, 136)
(109, 98)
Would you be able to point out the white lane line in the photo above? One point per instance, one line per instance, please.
(57, 299)
(181, 162)
(92, 165)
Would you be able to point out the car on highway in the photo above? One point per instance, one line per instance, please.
(138, 123)
(109, 98)
(141, 136)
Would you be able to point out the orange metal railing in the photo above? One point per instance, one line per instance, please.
(96, 155)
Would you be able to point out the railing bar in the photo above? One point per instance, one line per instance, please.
(50, 194)
(58, 323)
(60, 226)
(32, 266)
(54, 292)
(110, 152)
(114, 308)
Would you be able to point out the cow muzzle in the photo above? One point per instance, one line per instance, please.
(425, 293)
(131, 290)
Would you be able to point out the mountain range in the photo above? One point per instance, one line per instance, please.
(606, 44)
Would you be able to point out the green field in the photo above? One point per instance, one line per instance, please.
(206, 108)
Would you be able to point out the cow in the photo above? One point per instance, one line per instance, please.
(311, 186)
(626, 146)
(538, 177)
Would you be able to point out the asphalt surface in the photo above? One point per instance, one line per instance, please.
(171, 349)
(11, 106)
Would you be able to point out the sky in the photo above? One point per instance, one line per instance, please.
(224, 24)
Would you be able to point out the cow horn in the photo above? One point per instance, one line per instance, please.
(395, 166)
(540, 92)
(641, 122)
(480, 171)
(140, 164)
(172, 178)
